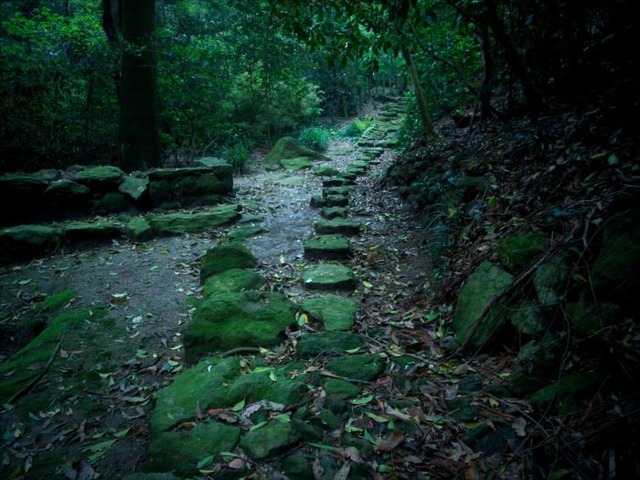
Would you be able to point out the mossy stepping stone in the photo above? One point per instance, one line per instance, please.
(326, 172)
(24, 241)
(359, 367)
(333, 212)
(232, 280)
(359, 164)
(334, 311)
(243, 232)
(336, 191)
(334, 247)
(134, 187)
(181, 223)
(338, 388)
(182, 450)
(225, 257)
(357, 170)
(329, 343)
(337, 182)
(295, 164)
(102, 177)
(347, 178)
(518, 252)
(318, 202)
(341, 226)
(328, 276)
(270, 440)
(229, 320)
(335, 201)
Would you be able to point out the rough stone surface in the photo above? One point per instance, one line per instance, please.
(338, 388)
(286, 148)
(23, 241)
(334, 247)
(327, 276)
(336, 191)
(66, 192)
(80, 231)
(139, 229)
(111, 202)
(245, 231)
(326, 172)
(238, 319)
(340, 226)
(182, 450)
(225, 257)
(335, 201)
(134, 187)
(519, 252)
(295, 164)
(273, 438)
(232, 280)
(180, 223)
(550, 281)
(329, 343)
(334, 311)
(527, 318)
(333, 212)
(100, 178)
(359, 367)
(482, 286)
(588, 317)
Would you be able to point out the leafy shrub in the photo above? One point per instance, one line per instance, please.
(357, 128)
(315, 138)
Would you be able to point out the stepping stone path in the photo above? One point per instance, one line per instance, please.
(260, 319)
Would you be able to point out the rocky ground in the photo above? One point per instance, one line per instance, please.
(193, 357)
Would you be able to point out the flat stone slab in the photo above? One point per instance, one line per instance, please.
(81, 231)
(295, 164)
(232, 280)
(335, 247)
(337, 182)
(325, 172)
(329, 276)
(340, 226)
(335, 191)
(334, 311)
(225, 257)
(24, 241)
(180, 223)
(243, 232)
(273, 438)
(333, 212)
(335, 201)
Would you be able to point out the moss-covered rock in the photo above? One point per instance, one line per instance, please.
(232, 280)
(24, 241)
(338, 388)
(160, 192)
(225, 257)
(273, 384)
(202, 184)
(325, 171)
(101, 178)
(238, 319)
(270, 440)
(111, 202)
(134, 187)
(358, 367)
(336, 191)
(527, 318)
(317, 201)
(334, 201)
(482, 286)
(181, 223)
(243, 232)
(565, 393)
(287, 148)
(550, 281)
(86, 231)
(17, 372)
(329, 343)
(334, 247)
(519, 252)
(295, 164)
(67, 193)
(588, 317)
(334, 311)
(139, 229)
(298, 466)
(342, 180)
(337, 226)
(55, 302)
(182, 450)
(535, 365)
(328, 276)
(333, 212)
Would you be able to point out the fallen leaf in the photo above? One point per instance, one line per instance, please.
(362, 400)
(519, 425)
(389, 443)
(237, 463)
(238, 406)
(204, 462)
(343, 473)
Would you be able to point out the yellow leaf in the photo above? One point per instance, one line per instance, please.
(367, 285)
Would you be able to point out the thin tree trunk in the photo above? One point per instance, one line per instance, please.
(139, 123)
(484, 93)
(427, 125)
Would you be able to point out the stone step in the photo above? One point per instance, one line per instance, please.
(333, 212)
(329, 276)
(337, 226)
(327, 247)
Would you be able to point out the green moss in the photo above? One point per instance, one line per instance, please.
(270, 440)
(328, 343)
(233, 280)
(334, 311)
(55, 302)
(517, 253)
(225, 257)
(286, 148)
(358, 367)
(327, 276)
(181, 223)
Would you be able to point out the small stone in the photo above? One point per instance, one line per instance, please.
(245, 231)
(338, 388)
(327, 276)
(336, 191)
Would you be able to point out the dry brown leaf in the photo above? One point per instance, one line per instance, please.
(389, 443)
(351, 453)
(237, 463)
(343, 473)
(317, 469)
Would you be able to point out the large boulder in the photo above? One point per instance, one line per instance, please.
(482, 286)
(134, 187)
(519, 252)
(334, 311)
(232, 280)
(228, 320)
(67, 193)
(180, 223)
(101, 178)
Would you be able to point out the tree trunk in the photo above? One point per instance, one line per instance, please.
(139, 125)
(427, 126)
(484, 94)
(531, 97)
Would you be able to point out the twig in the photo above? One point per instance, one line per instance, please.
(236, 351)
(38, 377)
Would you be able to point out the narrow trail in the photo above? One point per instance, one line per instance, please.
(113, 374)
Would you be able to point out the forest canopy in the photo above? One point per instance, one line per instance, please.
(226, 75)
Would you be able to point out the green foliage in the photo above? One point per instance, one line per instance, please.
(356, 128)
(237, 155)
(315, 138)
